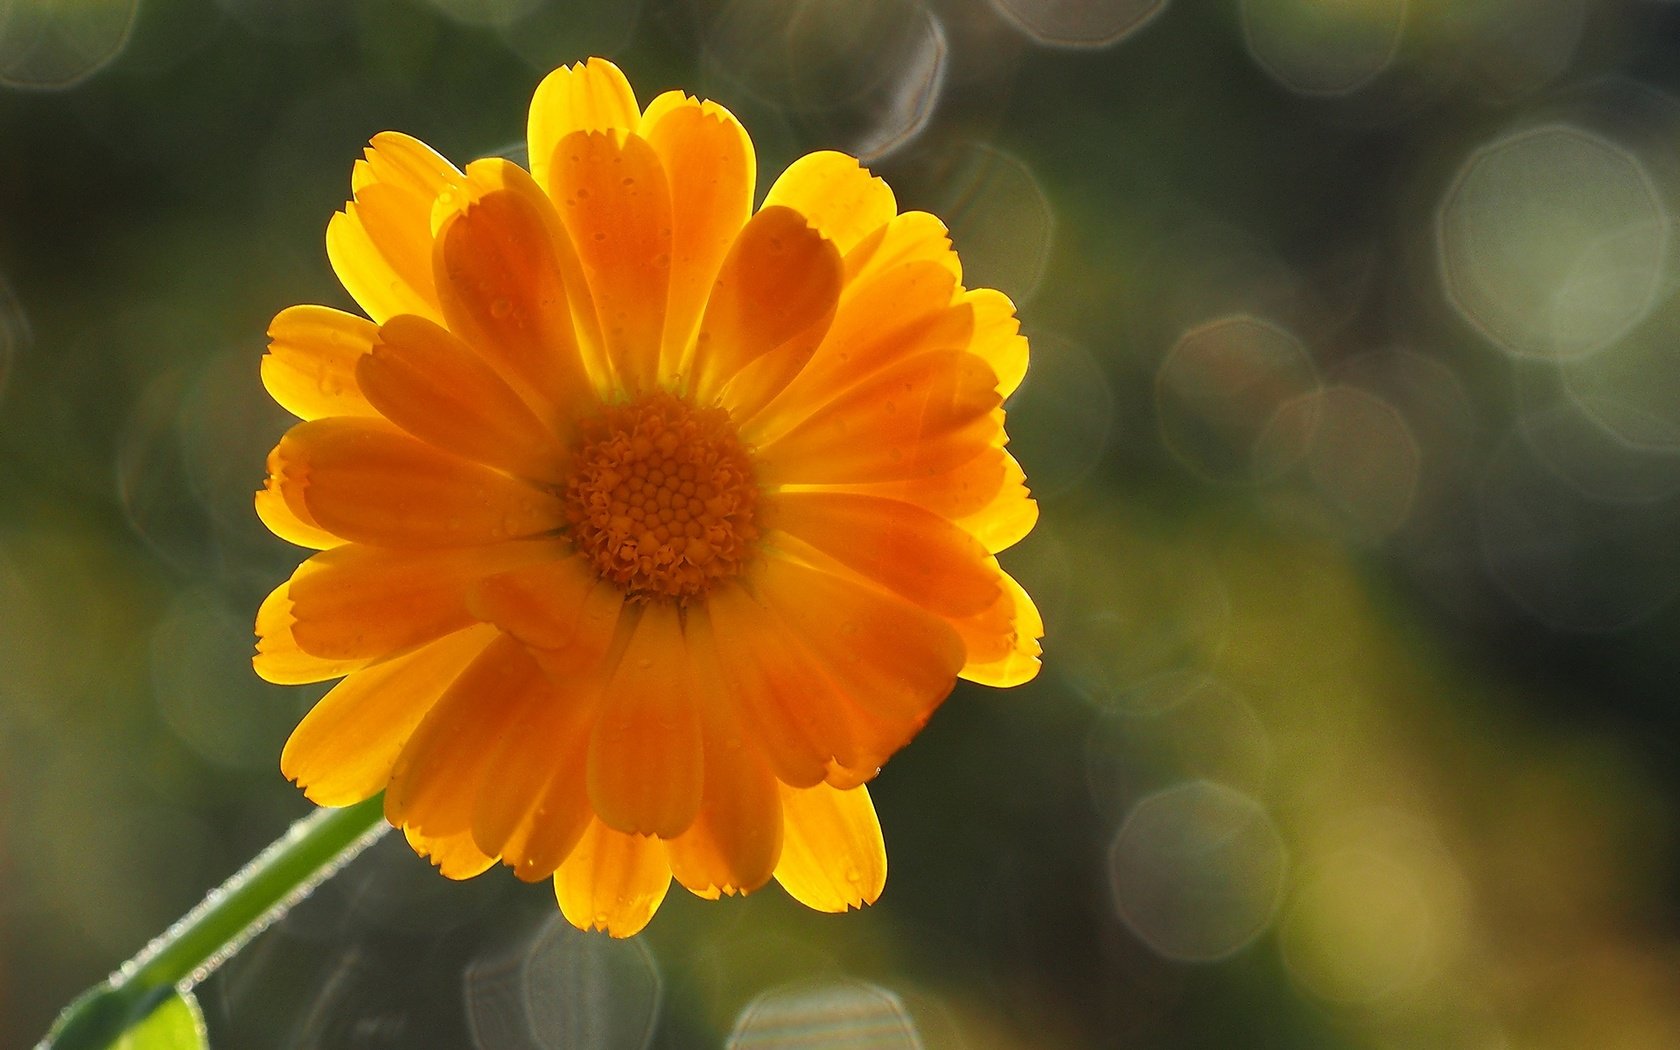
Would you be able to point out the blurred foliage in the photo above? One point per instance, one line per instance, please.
(1353, 414)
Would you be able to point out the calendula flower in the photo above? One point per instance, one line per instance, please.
(649, 525)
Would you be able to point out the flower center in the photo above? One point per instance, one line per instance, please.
(662, 497)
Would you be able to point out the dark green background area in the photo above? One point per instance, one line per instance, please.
(1407, 699)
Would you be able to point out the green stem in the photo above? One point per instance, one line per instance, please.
(229, 916)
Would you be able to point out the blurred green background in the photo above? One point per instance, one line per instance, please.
(1354, 415)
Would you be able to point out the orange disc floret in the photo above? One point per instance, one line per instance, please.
(662, 498)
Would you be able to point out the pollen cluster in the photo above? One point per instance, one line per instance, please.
(662, 497)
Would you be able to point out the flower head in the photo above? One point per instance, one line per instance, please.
(648, 525)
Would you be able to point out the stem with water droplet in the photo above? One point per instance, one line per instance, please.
(243, 906)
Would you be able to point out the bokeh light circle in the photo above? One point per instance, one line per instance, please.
(1553, 242)
(57, 44)
(1364, 461)
(1173, 727)
(866, 73)
(1318, 48)
(835, 1015)
(1218, 396)
(1632, 388)
(1197, 871)
(1079, 23)
(568, 990)
(1359, 928)
(1000, 219)
(1061, 417)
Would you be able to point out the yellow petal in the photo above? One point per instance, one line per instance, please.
(612, 881)
(1006, 518)
(708, 160)
(644, 757)
(281, 520)
(997, 337)
(343, 749)
(833, 857)
(367, 481)
(590, 96)
(772, 303)
(429, 383)
(836, 195)
(615, 202)
(512, 288)
(1008, 654)
(279, 658)
(455, 856)
(380, 244)
(310, 367)
(914, 236)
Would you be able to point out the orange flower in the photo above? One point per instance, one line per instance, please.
(649, 526)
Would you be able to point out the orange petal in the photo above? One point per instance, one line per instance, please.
(455, 856)
(1003, 645)
(772, 303)
(836, 195)
(369, 482)
(590, 96)
(429, 383)
(893, 662)
(547, 605)
(342, 751)
(784, 701)
(914, 236)
(612, 881)
(997, 337)
(366, 602)
(512, 288)
(736, 838)
(435, 779)
(708, 160)
(279, 659)
(896, 316)
(536, 804)
(644, 758)
(615, 202)
(380, 244)
(833, 857)
(310, 367)
(907, 549)
(537, 830)
(916, 418)
(281, 520)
